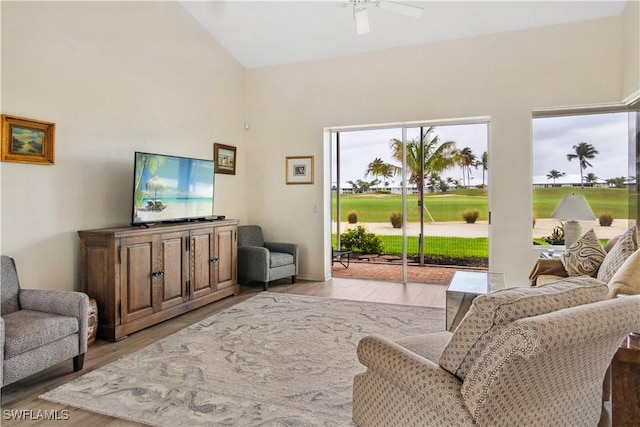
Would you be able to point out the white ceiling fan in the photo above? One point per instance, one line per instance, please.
(361, 15)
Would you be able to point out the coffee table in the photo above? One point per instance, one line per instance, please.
(464, 287)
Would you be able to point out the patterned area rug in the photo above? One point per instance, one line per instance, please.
(274, 359)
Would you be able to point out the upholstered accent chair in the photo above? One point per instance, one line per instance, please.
(39, 328)
(264, 261)
(519, 358)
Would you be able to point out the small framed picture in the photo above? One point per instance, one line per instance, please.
(299, 169)
(225, 158)
(27, 140)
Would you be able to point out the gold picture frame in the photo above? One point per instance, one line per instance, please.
(225, 158)
(27, 140)
(299, 169)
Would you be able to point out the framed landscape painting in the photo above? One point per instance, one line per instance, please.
(225, 158)
(299, 169)
(27, 140)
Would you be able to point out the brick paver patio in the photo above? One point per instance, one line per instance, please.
(440, 275)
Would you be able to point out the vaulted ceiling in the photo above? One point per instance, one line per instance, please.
(263, 33)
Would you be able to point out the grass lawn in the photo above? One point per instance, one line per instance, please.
(449, 206)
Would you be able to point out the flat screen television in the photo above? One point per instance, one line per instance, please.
(171, 189)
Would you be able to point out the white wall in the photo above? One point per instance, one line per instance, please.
(115, 77)
(126, 76)
(503, 76)
(631, 49)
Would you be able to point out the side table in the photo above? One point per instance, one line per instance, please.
(625, 385)
(464, 287)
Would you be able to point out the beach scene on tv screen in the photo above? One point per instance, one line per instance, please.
(170, 188)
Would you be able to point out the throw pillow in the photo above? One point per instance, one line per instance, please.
(624, 247)
(583, 258)
(491, 312)
(627, 279)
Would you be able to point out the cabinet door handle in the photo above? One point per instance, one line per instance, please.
(158, 273)
(215, 259)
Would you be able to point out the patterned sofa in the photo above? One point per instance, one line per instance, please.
(521, 357)
(617, 263)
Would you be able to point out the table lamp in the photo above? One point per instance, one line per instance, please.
(573, 208)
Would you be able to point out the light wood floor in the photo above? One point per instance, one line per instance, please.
(23, 395)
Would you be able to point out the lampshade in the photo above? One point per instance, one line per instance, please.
(573, 207)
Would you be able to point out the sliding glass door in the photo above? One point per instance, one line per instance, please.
(413, 197)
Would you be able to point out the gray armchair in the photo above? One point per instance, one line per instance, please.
(39, 328)
(264, 261)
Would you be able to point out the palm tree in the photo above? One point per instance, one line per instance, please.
(424, 156)
(484, 162)
(591, 179)
(378, 168)
(554, 174)
(583, 152)
(465, 158)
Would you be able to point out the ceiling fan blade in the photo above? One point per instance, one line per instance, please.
(404, 9)
(362, 21)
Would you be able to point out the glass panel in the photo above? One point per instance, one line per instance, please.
(446, 201)
(583, 154)
(453, 213)
(366, 194)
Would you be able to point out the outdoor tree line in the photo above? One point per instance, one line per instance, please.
(583, 152)
(427, 157)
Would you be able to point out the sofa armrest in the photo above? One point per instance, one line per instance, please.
(254, 261)
(409, 371)
(62, 303)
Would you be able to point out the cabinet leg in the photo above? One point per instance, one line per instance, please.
(265, 286)
(293, 279)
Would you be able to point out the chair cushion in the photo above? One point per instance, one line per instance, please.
(490, 313)
(26, 330)
(624, 247)
(278, 259)
(583, 258)
(10, 286)
(627, 279)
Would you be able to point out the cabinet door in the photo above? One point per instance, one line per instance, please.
(172, 282)
(202, 262)
(137, 284)
(225, 257)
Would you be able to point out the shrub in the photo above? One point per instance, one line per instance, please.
(358, 240)
(352, 217)
(383, 191)
(396, 219)
(605, 219)
(470, 215)
(534, 222)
